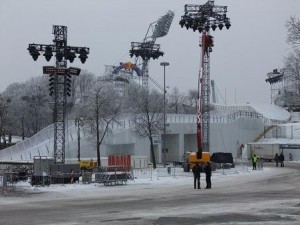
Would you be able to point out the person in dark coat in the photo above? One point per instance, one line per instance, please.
(207, 170)
(276, 159)
(196, 171)
(281, 159)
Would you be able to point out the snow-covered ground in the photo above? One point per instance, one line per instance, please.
(143, 178)
(269, 195)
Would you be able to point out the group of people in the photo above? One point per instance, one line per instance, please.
(197, 169)
(279, 159)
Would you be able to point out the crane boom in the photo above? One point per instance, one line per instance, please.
(203, 18)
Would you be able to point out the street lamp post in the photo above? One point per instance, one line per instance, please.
(164, 64)
(79, 123)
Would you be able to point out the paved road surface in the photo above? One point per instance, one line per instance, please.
(271, 199)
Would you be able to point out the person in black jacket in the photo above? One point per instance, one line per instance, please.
(281, 159)
(207, 170)
(196, 171)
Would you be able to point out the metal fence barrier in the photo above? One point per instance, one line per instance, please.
(113, 175)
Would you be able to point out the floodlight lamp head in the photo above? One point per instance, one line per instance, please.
(200, 29)
(182, 22)
(227, 25)
(83, 55)
(194, 26)
(31, 49)
(213, 27)
(59, 56)
(35, 55)
(71, 56)
(163, 25)
(187, 25)
(33, 52)
(221, 26)
(48, 53)
(207, 27)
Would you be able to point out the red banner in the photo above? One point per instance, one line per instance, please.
(119, 160)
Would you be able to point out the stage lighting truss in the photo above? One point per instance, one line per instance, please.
(145, 50)
(69, 53)
(205, 17)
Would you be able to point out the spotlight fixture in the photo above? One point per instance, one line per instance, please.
(33, 52)
(181, 23)
(200, 29)
(83, 55)
(70, 55)
(227, 25)
(213, 27)
(48, 53)
(207, 27)
(59, 56)
(194, 26)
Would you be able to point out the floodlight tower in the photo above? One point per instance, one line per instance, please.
(148, 49)
(60, 80)
(275, 78)
(203, 18)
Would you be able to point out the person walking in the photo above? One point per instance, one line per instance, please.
(196, 171)
(281, 159)
(254, 161)
(276, 159)
(207, 170)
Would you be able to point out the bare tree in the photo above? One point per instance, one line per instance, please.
(39, 115)
(4, 120)
(100, 108)
(146, 114)
(175, 101)
(293, 31)
(192, 99)
(29, 107)
(83, 84)
(292, 63)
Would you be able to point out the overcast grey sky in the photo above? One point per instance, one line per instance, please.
(243, 55)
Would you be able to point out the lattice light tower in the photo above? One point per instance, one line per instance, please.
(275, 78)
(60, 80)
(148, 49)
(203, 18)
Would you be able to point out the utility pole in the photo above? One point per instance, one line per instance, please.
(203, 18)
(164, 64)
(60, 79)
(78, 123)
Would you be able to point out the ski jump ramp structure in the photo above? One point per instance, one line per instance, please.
(231, 127)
